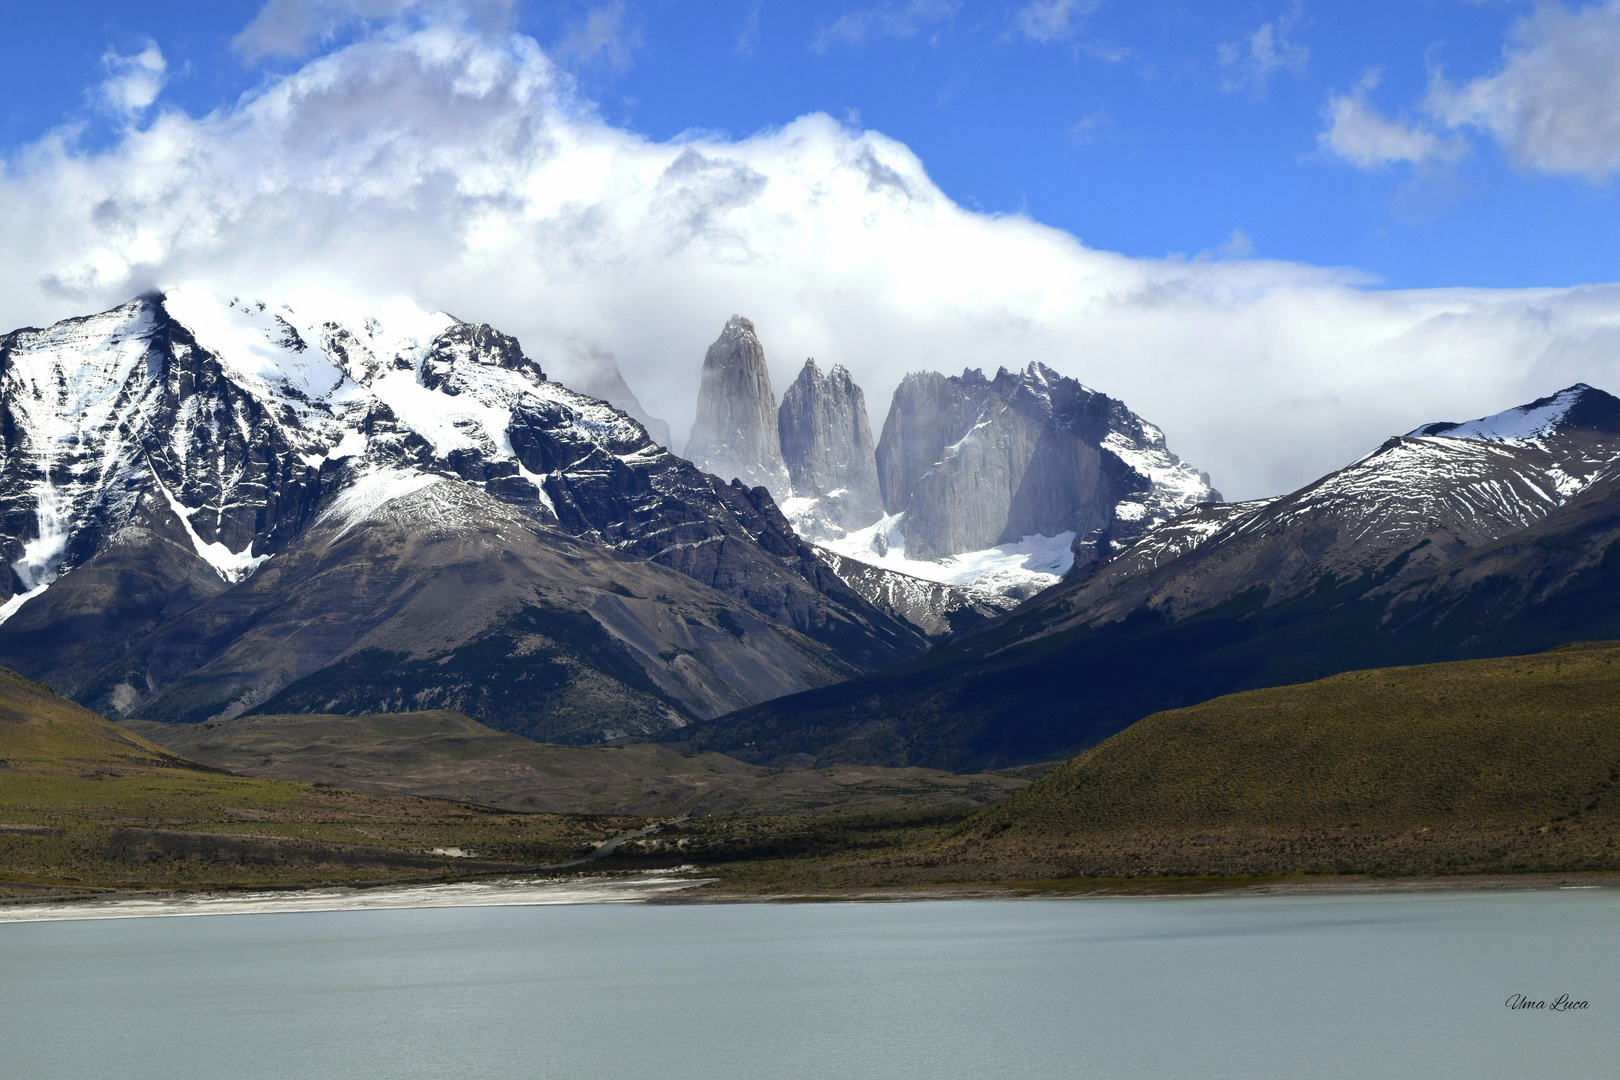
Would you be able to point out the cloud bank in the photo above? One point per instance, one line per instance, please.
(457, 168)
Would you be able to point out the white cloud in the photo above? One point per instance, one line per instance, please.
(1047, 21)
(889, 20)
(458, 170)
(1555, 104)
(133, 82)
(1358, 134)
(1249, 64)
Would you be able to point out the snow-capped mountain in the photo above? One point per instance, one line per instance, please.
(162, 458)
(1419, 500)
(1495, 537)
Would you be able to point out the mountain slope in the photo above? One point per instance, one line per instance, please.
(1479, 765)
(1394, 560)
(204, 503)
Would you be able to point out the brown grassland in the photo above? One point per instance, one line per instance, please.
(1487, 767)
(85, 805)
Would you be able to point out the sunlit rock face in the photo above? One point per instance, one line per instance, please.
(973, 463)
(827, 444)
(735, 434)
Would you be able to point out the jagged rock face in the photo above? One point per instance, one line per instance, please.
(735, 434)
(827, 444)
(973, 462)
(172, 469)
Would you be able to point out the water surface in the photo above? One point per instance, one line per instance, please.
(1252, 987)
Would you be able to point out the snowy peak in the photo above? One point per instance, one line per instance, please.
(1579, 408)
(1418, 502)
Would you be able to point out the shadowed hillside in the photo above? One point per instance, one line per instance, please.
(1483, 766)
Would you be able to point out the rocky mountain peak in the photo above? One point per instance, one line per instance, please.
(595, 372)
(1575, 409)
(735, 433)
(827, 444)
(973, 463)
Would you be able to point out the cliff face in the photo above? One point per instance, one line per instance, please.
(827, 444)
(735, 434)
(974, 462)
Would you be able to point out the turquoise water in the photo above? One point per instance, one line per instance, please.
(1368, 986)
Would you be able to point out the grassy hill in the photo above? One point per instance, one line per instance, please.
(444, 754)
(1500, 766)
(85, 804)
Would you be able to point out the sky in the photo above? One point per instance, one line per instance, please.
(1281, 231)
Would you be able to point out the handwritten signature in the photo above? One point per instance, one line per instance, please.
(1562, 1003)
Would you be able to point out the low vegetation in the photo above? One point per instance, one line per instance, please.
(86, 805)
(444, 754)
(1476, 767)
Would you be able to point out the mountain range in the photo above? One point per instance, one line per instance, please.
(979, 494)
(1480, 539)
(215, 506)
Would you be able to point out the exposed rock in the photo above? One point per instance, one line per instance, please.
(735, 434)
(827, 444)
(208, 505)
(936, 609)
(973, 463)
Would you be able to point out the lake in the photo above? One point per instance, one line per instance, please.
(1394, 985)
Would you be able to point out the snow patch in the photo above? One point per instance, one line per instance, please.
(1032, 563)
(1525, 425)
(370, 493)
(231, 566)
(353, 444)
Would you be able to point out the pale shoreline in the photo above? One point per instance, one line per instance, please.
(634, 889)
(667, 888)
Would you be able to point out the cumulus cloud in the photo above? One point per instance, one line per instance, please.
(133, 82)
(459, 170)
(1249, 64)
(1357, 133)
(890, 20)
(1555, 103)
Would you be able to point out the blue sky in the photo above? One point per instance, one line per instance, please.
(1282, 231)
(1121, 124)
